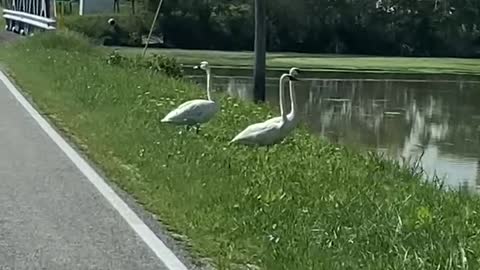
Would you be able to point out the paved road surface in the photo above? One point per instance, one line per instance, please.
(51, 217)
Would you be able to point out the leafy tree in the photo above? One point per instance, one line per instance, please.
(379, 27)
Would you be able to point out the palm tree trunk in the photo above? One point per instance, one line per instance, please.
(260, 51)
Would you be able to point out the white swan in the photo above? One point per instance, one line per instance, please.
(268, 132)
(197, 111)
(292, 118)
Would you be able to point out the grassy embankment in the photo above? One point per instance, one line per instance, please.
(306, 204)
(2, 21)
(319, 62)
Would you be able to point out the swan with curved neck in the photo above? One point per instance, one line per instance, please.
(204, 65)
(195, 112)
(292, 116)
(268, 132)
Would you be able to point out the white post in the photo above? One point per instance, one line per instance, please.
(43, 8)
(55, 9)
(80, 10)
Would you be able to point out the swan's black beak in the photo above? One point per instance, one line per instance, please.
(295, 71)
(293, 78)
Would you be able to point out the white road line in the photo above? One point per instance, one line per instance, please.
(156, 245)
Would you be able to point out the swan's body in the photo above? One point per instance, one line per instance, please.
(292, 118)
(269, 132)
(260, 134)
(193, 112)
(197, 111)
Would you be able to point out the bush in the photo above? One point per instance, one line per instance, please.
(219, 32)
(77, 42)
(63, 40)
(128, 30)
(155, 63)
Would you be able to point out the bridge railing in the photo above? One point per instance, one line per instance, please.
(25, 16)
(22, 22)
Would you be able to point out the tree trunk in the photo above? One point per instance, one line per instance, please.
(260, 51)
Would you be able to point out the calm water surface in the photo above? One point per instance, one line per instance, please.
(402, 118)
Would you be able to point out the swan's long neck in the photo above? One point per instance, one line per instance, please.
(209, 78)
(282, 96)
(293, 99)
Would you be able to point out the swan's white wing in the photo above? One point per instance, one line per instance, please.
(192, 112)
(279, 119)
(260, 133)
(289, 124)
(275, 120)
(187, 104)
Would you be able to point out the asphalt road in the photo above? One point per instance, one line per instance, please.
(51, 216)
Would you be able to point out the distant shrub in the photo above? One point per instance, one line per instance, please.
(71, 41)
(63, 40)
(155, 63)
(127, 31)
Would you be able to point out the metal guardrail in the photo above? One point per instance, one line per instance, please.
(24, 23)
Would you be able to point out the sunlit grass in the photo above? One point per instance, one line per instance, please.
(351, 63)
(304, 204)
(2, 20)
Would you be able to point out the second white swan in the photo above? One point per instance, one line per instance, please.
(292, 116)
(197, 111)
(269, 132)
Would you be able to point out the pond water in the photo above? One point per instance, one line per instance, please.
(435, 121)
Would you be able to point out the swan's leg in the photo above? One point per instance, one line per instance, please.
(197, 128)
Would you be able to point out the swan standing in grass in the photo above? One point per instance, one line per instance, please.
(197, 111)
(292, 118)
(271, 131)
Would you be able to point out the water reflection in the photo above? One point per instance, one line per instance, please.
(437, 121)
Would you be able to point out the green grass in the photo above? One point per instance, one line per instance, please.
(2, 20)
(322, 62)
(305, 204)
